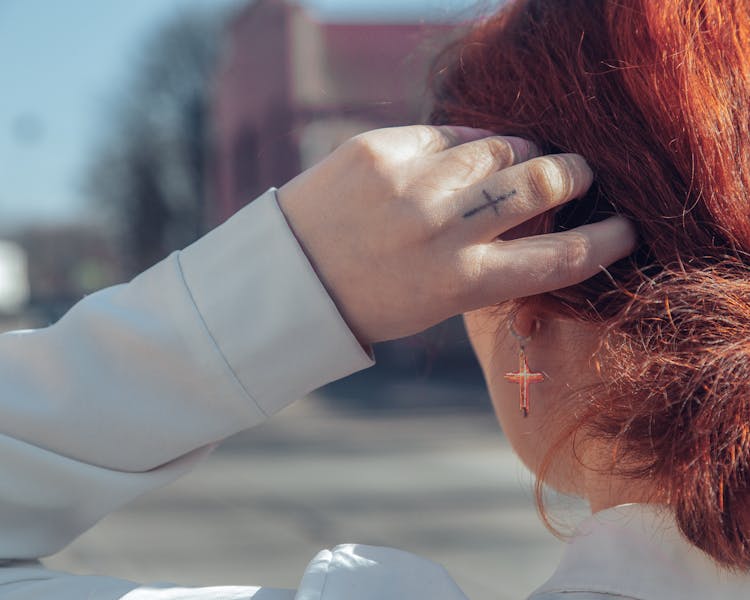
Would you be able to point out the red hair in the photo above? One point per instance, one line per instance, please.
(656, 96)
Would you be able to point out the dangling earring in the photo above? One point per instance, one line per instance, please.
(524, 376)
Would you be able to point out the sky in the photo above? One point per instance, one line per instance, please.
(62, 63)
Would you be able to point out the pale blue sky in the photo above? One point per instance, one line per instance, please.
(61, 65)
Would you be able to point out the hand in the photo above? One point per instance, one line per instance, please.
(401, 225)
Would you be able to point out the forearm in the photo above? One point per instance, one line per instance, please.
(137, 382)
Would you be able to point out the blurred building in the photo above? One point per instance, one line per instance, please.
(292, 87)
(62, 264)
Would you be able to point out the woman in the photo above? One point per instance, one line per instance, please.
(645, 405)
(632, 386)
(139, 382)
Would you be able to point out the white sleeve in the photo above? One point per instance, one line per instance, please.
(348, 572)
(31, 581)
(138, 382)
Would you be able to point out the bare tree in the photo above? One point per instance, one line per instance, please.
(151, 170)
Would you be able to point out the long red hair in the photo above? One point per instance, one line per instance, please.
(656, 95)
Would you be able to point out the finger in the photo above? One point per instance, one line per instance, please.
(534, 265)
(473, 162)
(420, 140)
(519, 193)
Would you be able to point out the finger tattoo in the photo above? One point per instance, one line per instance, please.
(490, 203)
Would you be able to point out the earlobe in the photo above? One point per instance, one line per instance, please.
(525, 321)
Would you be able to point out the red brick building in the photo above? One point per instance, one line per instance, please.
(291, 87)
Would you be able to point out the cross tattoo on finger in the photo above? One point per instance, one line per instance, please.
(490, 203)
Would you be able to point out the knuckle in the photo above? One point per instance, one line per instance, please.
(550, 179)
(499, 152)
(370, 161)
(573, 256)
(433, 139)
(474, 163)
(482, 158)
(361, 147)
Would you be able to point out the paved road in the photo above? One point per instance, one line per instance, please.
(443, 485)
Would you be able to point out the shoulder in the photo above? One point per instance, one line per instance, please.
(356, 572)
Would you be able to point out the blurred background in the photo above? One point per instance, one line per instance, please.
(128, 128)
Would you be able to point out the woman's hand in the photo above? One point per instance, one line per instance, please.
(402, 224)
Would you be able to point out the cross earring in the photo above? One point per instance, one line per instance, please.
(524, 377)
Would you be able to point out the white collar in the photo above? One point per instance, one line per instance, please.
(636, 551)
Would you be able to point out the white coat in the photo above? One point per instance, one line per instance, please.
(139, 382)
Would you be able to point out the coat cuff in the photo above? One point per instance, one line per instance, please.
(270, 316)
